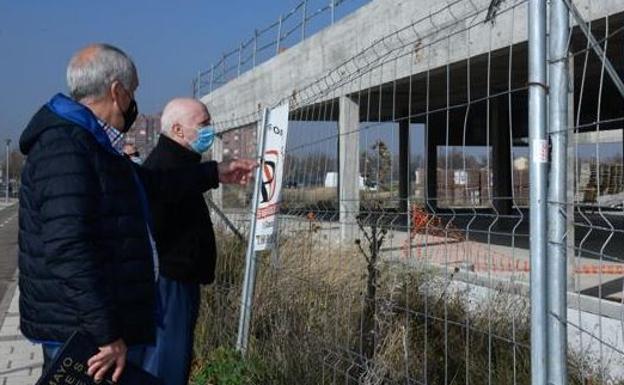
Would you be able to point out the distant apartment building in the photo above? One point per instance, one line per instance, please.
(144, 133)
(239, 143)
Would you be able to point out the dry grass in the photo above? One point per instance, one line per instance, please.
(308, 316)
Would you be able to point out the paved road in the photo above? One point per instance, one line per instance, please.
(20, 360)
(8, 247)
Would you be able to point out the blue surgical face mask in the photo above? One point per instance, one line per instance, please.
(204, 140)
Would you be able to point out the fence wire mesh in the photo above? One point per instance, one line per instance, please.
(596, 195)
(403, 252)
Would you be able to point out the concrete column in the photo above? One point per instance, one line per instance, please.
(217, 155)
(431, 167)
(501, 158)
(404, 164)
(349, 166)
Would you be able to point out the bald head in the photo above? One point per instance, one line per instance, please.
(92, 71)
(182, 117)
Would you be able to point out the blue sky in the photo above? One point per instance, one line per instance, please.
(169, 41)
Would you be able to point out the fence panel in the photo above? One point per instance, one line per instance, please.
(403, 251)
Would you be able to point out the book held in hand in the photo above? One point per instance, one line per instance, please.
(69, 367)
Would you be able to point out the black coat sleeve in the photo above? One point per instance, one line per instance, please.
(67, 186)
(173, 185)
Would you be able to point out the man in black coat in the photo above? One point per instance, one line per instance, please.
(184, 238)
(87, 258)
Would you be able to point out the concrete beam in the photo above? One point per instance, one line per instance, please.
(593, 137)
(349, 166)
(360, 42)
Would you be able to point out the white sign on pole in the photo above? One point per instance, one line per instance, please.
(272, 174)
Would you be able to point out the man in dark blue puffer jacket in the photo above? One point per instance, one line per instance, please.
(87, 259)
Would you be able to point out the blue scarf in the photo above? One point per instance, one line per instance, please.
(77, 113)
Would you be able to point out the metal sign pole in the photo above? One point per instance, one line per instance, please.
(557, 270)
(250, 260)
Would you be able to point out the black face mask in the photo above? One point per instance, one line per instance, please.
(130, 115)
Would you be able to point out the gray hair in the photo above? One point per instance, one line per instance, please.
(180, 110)
(168, 119)
(90, 76)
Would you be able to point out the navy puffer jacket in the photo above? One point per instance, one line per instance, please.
(85, 259)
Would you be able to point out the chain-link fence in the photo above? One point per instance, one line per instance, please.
(410, 214)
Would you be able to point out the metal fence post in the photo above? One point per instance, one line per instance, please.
(557, 193)
(8, 174)
(197, 87)
(332, 6)
(250, 260)
(224, 69)
(304, 19)
(279, 36)
(538, 173)
(240, 59)
(255, 47)
(212, 78)
(571, 179)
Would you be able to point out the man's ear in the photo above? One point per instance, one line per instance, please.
(176, 130)
(116, 91)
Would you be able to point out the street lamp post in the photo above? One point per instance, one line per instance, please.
(8, 177)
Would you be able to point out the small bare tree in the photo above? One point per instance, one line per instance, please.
(375, 235)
